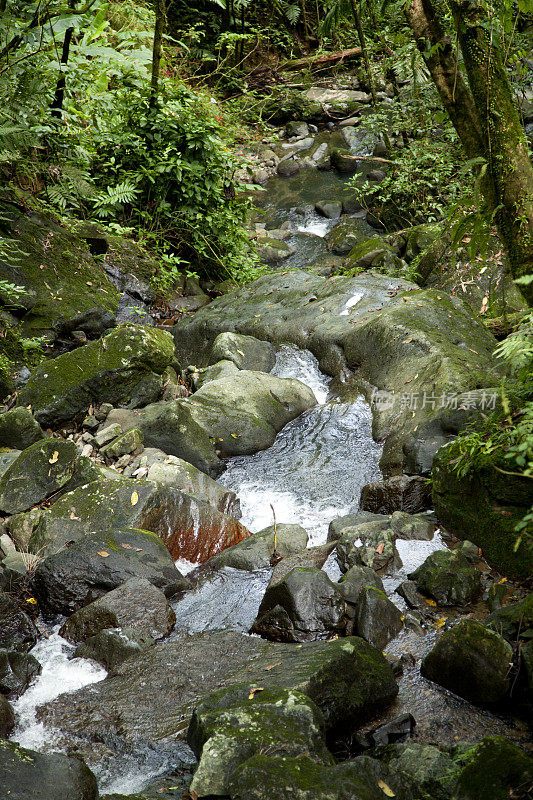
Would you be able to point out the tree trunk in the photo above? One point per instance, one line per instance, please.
(57, 103)
(483, 114)
(505, 142)
(364, 51)
(159, 30)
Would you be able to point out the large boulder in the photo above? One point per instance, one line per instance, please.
(16, 671)
(399, 338)
(100, 562)
(190, 528)
(28, 775)
(448, 577)
(239, 414)
(246, 352)
(231, 725)
(256, 552)
(497, 769)
(19, 429)
(484, 506)
(409, 493)
(346, 234)
(472, 661)
(347, 678)
(123, 368)
(135, 604)
(41, 470)
(376, 618)
(370, 544)
(304, 606)
(434, 771)
(65, 287)
(7, 719)
(16, 628)
(263, 777)
(514, 620)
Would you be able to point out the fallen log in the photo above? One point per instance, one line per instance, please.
(326, 58)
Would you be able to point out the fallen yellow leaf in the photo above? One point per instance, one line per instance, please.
(54, 458)
(385, 789)
(254, 692)
(134, 498)
(103, 553)
(430, 602)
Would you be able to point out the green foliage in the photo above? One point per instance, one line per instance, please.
(505, 440)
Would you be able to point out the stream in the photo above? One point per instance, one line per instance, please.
(312, 473)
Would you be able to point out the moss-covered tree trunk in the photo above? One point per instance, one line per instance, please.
(506, 148)
(157, 52)
(362, 42)
(483, 114)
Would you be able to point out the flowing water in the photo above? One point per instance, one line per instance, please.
(312, 473)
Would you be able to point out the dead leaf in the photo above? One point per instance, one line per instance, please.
(254, 692)
(138, 549)
(380, 547)
(440, 623)
(134, 498)
(54, 458)
(430, 602)
(89, 283)
(73, 516)
(103, 553)
(412, 379)
(274, 665)
(127, 546)
(385, 789)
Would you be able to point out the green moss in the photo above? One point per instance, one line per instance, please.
(497, 769)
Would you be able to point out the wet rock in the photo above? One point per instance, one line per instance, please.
(7, 721)
(448, 577)
(233, 724)
(24, 772)
(19, 429)
(471, 661)
(269, 249)
(135, 604)
(354, 581)
(222, 369)
(397, 730)
(377, 620)
(39, 471)
(432, 770)
(344, 162)
(288, 167)
(368, 545)
(112, 646)
(100, 562)
(236, 415)
(21, 526)
(484, 507)
(16, 628)
(408, 591)
(190, 528)
(342, 238)
(123, 368)
(16, 671)
(56, 297)
(408, 493)
(329, 210)
(348, 679)
(262, 777)
(246, 352)
(304, 606)
(314, 557)
(255, 552)
(413, 526)
(339, 525)
(497, 769)
(402, 333)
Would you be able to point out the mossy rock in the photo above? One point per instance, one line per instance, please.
(262, 778)
(498, 770)
(246, 352)
(433, 770)
(284, 105)
(377, 619)
(255, 552)
(471, 661)
(234, 724)
(484, 507)
(448, 577)
(27, 775)
(346, 234)
(19, 429)
(41, 470)
(123, 368)
(513, 621)
(66, 288)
